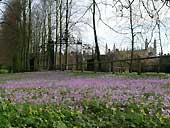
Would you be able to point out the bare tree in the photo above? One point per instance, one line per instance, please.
(57, 25)
(132, 33)
(10, 35)
(66, 34)
(50, 46)
(29, 36)
(154, 13)
(97, 51)
(61, 35)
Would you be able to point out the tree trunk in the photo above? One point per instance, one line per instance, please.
(158, 24)
(56, 43)
(50, 46)
(29, 37)
(132, 35)
(24, 44)
(97, 51)
(66, 35)
(60, 54)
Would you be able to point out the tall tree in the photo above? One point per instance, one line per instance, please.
(132, 33)
(154, 13)
(66, 34)
(61, 36)
(44, 33)
(10, 35)
(56, 36)
(24, 36)
(50, 47)
(97, 51)
(29, 35)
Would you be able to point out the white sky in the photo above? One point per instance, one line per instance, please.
(106, 35)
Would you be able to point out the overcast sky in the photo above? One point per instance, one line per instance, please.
(121, 24)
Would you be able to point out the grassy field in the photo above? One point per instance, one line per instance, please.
(84, 100)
